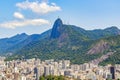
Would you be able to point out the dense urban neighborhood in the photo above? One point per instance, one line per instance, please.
(35, 69)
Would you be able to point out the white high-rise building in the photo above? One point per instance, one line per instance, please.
(46, 70)
(23, 78)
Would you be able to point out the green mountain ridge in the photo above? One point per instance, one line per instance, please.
(73, 43)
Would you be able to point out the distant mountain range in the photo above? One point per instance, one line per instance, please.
(65, 42)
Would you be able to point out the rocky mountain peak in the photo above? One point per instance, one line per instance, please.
(56, 28)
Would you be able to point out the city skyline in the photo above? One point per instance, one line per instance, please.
(35, 69)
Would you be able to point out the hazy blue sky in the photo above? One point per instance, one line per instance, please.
(36, 16)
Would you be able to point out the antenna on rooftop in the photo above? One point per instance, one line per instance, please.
(64, 22)
(68, 22)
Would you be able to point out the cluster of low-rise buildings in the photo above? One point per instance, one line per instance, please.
(32, 69)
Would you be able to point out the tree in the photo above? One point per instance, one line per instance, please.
(42, 78)
(61, 78)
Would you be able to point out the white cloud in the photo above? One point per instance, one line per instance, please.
(18, 15)
(39, 7)
(32, 22)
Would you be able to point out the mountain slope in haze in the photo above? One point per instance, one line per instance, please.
(9, 42)
(101, 33)
(12, 44)
(70, 42)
